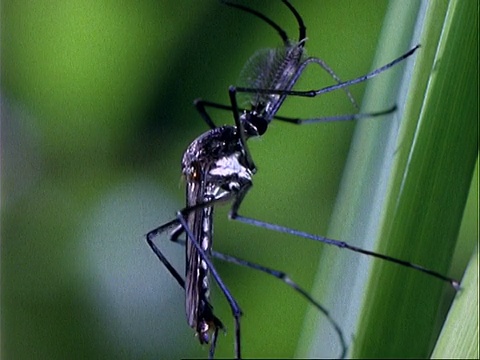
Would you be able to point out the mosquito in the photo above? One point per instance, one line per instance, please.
(218, 168)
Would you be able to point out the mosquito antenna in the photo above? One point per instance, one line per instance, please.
(302, 29)
(270, 22)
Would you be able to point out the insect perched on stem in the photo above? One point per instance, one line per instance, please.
(218, 168)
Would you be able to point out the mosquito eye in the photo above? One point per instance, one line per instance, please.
(260, 125)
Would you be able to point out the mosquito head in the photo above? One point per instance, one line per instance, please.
(254, 124)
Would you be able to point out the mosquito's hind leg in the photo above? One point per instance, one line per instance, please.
(327, 89)
(150, 236)
(280, 275)
(330, 71)
(234, 215)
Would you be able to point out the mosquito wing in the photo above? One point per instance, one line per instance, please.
(274, 69)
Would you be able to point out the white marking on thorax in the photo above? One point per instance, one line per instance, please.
(229, 165)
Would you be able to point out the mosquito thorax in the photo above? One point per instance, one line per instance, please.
(230, 172)
(217, 157)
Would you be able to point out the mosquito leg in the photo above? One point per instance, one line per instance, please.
(176, 232)
(298, 121)
(200, 106)
(329, 70)
(348, 117)
(323, 64)
(179, 228)
(341, 244)
(149, 237)
(213, 345)
(282, 277)
(236, 311)
(289, 282)
(327, 89)
(301, 38)
(205, 103)
(232, 92)
(270, 22)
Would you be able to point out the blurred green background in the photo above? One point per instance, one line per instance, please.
(96, 112)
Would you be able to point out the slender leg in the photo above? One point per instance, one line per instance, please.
(213, 345)
(327, 89)
(285, 278)
(347, 117)
(341, 244)
(200, 106)
(176, 227)
(289, 282)
(232, 92)
(329, 70)
(203, 104)
(150, 236)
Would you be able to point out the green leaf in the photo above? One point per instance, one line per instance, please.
(459, 337)
(405, 188)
